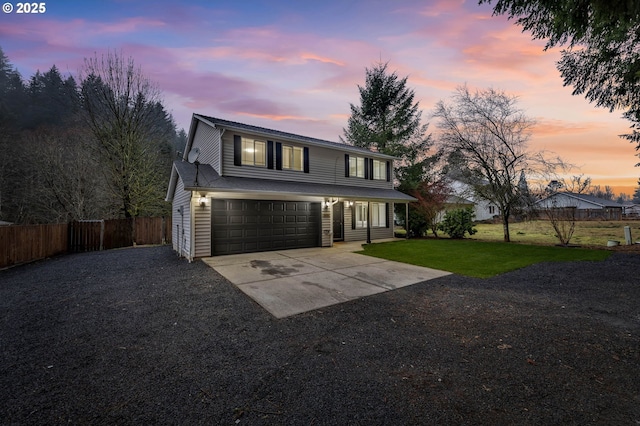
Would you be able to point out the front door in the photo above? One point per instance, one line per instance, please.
(338, 221)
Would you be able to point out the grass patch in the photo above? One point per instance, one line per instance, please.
(588, 233)
(481, 259)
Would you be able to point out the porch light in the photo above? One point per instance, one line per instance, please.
(350, 203)
(202, 200)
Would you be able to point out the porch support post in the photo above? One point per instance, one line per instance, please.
(368, 222)
(406, 220)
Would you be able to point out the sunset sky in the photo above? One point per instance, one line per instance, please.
(295, 65)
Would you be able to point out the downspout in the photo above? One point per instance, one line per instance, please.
(192, 230)
(220, 152)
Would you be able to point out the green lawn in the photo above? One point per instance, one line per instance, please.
(480, 259)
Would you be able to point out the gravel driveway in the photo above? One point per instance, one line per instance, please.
(137, 336)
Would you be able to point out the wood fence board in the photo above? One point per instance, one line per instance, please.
(26, 243)
(117, 233)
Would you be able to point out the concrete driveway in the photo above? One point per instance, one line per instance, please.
(290, 282)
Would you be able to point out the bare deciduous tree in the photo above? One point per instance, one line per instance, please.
(561, 213)
(123, 110)
(61, 165)
(490, 135)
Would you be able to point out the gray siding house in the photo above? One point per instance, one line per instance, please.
(241, 188)
(587, 207)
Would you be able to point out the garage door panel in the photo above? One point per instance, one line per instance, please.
(235, 219)
(250, 232)
(265, 232)
(242, 226)
(233, 233)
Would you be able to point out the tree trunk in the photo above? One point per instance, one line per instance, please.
(505, 227)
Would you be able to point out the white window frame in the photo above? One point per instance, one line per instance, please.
(378, 215)
(356, 167)
(379, 170)
(250, 153)
(361, 214)
(290, 155)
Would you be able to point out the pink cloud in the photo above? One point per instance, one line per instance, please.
(548, 127)
(441, 7)
(276, 117)
(128, 25)
(318, 58)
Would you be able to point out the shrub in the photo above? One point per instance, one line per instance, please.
(458, 222)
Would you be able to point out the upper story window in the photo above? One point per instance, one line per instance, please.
(367, 168)
(254, 153)
(292, 157)
(356, 166)
(379, 170)
(269, 154)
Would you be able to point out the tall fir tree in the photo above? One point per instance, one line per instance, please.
(388, 120)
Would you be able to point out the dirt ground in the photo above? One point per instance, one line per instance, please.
(138, 336)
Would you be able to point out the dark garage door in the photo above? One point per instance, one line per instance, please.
(244, 226)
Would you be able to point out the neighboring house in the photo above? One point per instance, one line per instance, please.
(453, 202)
(241, 188)
(465, 196)
(587, 206)
(631, 211)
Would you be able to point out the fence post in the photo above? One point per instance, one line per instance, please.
(101, 234)
(134, 235)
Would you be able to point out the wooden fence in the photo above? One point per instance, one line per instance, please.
(25, 243)
(20, 244)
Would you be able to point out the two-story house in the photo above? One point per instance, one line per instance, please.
(241, 188)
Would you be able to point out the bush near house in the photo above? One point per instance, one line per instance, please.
(458, 222)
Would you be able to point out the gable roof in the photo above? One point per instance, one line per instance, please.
(587, 199)
(277, 134)
(210, 180)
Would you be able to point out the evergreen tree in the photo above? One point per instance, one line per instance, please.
(12, 92)
(388, 120)
(52, 100)
(12, 101)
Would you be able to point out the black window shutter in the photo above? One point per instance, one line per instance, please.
(388, 171)
(386, 214)
(346, 165)
(353, 216)
(366, 168)
(371, 168)
(237, 150)
(269, 154)
(278, 156)
(305, 153)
